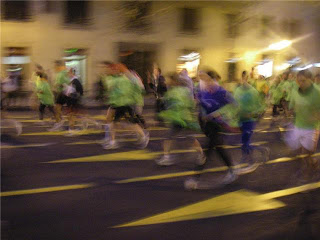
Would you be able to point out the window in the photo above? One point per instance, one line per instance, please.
(76, 12)
(189, 20)
(16, 10)
(232, 25)
(138, 15)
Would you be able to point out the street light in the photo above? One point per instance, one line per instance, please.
(280, 45)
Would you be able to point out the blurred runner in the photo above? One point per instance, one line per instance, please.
(305, 103)
(180, 115)
(44, 95)
(251, 108)
(61, 99)
(8, 85)
(122, 99)
(212, 98)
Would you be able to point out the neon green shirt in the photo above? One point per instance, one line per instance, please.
(44, 93)
(181, 108)
(121, 91)
(306, 106)
(61, 78)
(249, 100)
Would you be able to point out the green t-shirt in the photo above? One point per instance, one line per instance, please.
(249, 102)
(121, 91)
(180, 108)
(306, 106)
(61, 78)
(46, 96)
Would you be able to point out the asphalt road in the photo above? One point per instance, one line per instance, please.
(58, 187)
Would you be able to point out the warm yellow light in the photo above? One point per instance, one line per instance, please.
(249, 56)
(265, 69)
(280, 45)
(282, 67)
(192, 67)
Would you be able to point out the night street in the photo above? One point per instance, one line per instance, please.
(59, 187)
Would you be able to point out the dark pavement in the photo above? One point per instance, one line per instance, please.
(84, 197)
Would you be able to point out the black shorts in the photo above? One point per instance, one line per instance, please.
(126, 112)
(62, 99)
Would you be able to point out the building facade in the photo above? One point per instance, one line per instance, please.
(229, 36)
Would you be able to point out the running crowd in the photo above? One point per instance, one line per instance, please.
(189, 106)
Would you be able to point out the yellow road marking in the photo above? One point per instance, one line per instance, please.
(45, 190)
(171, 175)
(25, 145)
(189, 173)
(242, 201)
(85, 132)
(18, 117)
(238, 202)
(122, 156)
(131, 155)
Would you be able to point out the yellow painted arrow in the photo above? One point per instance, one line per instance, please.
(242, 201)
(45, 190)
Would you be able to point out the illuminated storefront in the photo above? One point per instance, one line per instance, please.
(190, 62)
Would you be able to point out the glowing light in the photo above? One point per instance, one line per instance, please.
(294, 61)
(189, 57)
(280, 45)
(16, 60)
(249, 56)
(265, 69)
(191, 66)
(304, 68)
(233, 60)
(282, 67)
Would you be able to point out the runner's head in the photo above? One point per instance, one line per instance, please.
(71, 72)
(244, 77)
(304, 79)
(59, 65)
(43, 76)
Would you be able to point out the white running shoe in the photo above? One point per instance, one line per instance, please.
(71, 133)
(229, 178)
(57, 126)
(191, 184)
(165, 160)
(18, 127)
(245, 170)
(201, 159)
(143, 142)
(110, 145)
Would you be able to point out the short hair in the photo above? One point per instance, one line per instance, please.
(72, 70)
(212, 74)
(59, 63)
(244, 73)
(107, 63)
(39, 67)
(305, 73)
(42, 75)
